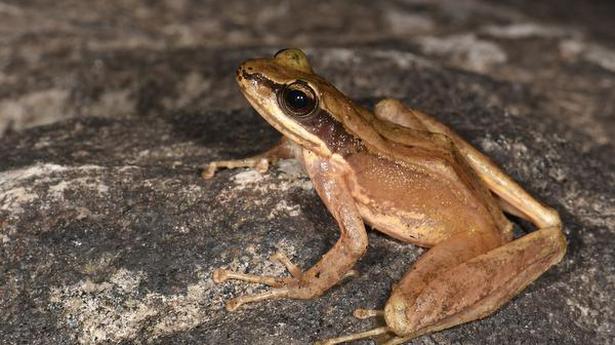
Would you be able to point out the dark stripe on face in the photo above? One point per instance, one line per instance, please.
(331, 132)
(260, 79)
(319, 123)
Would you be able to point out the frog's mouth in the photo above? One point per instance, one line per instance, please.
(261, 93)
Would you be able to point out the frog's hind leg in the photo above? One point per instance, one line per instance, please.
(438, 259)
(396, 112)
(259, 162)
(450, 286)
(382, 335)
(363, 314)
(512, 197)
(443, 290)
(465, 278)
(355, 336)
(386, 335)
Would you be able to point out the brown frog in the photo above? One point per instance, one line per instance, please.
(408, 175)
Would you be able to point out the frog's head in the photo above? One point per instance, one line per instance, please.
(292, 98)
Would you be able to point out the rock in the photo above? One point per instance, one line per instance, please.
(109, 235)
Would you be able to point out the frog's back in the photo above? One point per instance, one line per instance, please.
(424, 198)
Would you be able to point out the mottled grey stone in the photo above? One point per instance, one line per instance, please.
(109, 235)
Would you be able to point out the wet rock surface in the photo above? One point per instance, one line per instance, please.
(109, 235)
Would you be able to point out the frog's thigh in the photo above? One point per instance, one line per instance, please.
(394, 111)
(468, 277)
(512, 197)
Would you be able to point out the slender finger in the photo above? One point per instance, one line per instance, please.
(355, 336)
(220, 275)
(294, 270)
(398, 340)
(351, 273)
(236, 302)
(260, 164)
(362, 314)
(209, 171)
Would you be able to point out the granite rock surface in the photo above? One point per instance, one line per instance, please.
(108, 235)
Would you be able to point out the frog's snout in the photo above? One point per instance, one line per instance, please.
(244, 72)
(239, 73)
(241, 77)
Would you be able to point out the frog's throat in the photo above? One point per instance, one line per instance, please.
(278, 119)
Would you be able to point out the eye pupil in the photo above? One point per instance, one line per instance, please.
(298, 99)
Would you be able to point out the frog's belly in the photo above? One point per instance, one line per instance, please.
(413, 204)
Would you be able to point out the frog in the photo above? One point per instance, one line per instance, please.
(404, 173)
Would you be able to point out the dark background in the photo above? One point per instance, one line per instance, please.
(109, 108)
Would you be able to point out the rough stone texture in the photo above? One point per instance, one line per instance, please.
(108, 234)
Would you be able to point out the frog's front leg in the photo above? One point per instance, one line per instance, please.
(260, 162)
(329, 179)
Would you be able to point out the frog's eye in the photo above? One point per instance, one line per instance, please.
(298, 99)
